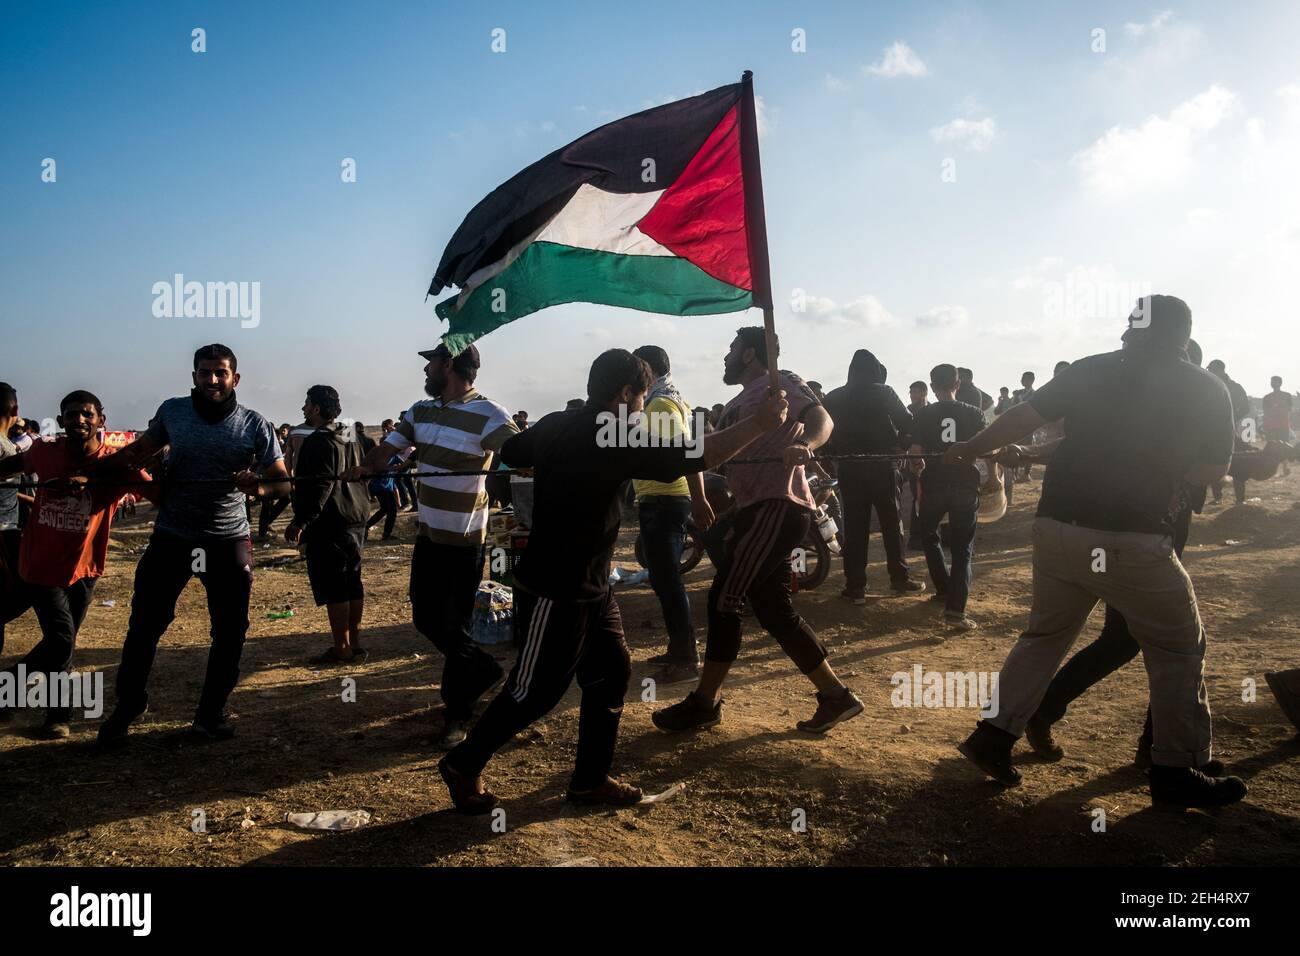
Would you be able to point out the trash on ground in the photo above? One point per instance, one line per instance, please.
(662, 795)
(329, 819)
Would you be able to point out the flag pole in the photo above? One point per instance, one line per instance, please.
(756, 222)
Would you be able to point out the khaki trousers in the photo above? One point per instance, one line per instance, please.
(1140, 576)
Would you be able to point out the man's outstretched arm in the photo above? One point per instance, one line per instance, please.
(1017, 422)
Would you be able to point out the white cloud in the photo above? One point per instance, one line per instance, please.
(1157, 24)
(1035, 275)
(973, 134)
(863, 312)
(1013, 331)
(1155, 46)
(834, 84)
(655, 327)
(899, 59)
(943, 317)
(1157, 153)
(1201, 217)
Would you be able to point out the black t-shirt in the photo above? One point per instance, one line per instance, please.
(974, 396)
(1133, 426)
(576, 506)
(940, 425)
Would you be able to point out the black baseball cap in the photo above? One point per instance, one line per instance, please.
(468, 357)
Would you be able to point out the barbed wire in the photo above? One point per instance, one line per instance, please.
(466, 473)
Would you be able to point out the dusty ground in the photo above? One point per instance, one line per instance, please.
(886, 788)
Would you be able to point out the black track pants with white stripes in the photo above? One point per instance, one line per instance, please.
(563, 639)
(755, 565)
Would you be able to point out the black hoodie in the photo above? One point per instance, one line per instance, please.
(869, 417)
(320, 501)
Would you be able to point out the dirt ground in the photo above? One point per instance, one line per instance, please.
(885, 788)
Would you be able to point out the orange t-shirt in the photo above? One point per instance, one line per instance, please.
(66, 535)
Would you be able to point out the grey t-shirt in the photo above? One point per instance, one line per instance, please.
(243, 439)
(8, 489)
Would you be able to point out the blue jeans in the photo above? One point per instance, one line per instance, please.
(663, 536)
(961, 504)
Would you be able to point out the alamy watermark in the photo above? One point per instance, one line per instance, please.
(1083, 296)
(77, 690)
(75, 909)
(628, 429)
(935, 689)
(208, 300)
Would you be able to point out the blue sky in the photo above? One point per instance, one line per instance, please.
(1166, 162)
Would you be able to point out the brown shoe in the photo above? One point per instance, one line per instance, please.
(1039, 736)
(611, 792)
(469, 795)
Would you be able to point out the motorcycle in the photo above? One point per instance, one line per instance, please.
(810, 562)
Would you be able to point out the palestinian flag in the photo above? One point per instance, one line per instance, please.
(661, 211)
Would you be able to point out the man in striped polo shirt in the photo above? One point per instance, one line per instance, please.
(456, 429)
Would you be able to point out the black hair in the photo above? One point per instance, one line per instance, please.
(944, 377)
(465, 366)
(965, 374)
(753, 337)
(81, 397)
(8, 399)
(1168, 320)
(615, 370)
(326, 399)
(655, 357)
(215, 353)
(921, 385)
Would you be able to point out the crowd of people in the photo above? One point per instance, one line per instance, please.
(1133, 440)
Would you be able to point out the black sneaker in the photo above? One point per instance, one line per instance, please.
(989, 748)
(688, 714)
(679, 672)
(833, 708)
(114, 731)
(1038, 734)
(1183, 787)
(854, 595)
(907, 587)
(207, 733)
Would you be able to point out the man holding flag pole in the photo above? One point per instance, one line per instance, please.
(660, 211)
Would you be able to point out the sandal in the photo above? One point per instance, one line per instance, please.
(331, 656)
